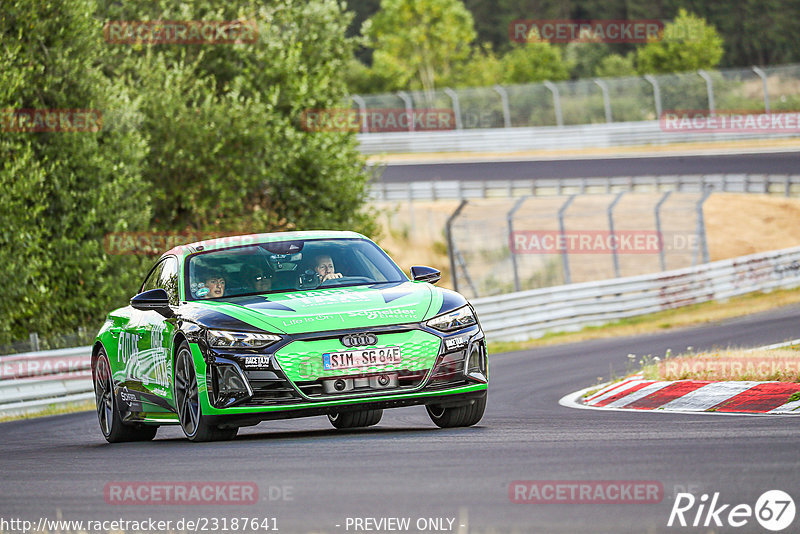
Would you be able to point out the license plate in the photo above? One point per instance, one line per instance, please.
(360, 358)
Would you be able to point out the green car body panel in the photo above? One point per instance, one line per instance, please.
(142, 344)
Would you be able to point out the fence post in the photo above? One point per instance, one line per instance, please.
(606, 99)
(411, 208)
(562, 233)
(402, 95)
(34, 337)
(556, 102)
(506, 109)
(661, 255)
(362, 108)
(709, 88)
(701, 229)
(450, 246)
(614, 253)
(511, 245)
(456, 107)
(656, 93)
(763, 75)
(463, 265)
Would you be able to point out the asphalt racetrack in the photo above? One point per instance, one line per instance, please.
(756, 163)
(312, 478)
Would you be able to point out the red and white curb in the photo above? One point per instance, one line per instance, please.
(690, 396)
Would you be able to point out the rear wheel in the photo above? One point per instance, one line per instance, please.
(464, 415)
(356, 419)
(111, 425)
(187, 400)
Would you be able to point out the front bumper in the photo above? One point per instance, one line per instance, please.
(238, 417)
(448, 374)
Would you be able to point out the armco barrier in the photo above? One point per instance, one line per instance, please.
(616, 134)
(775, 184)
(35, 380)
(529, 314)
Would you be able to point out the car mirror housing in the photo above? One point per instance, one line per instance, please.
(421, 273)
(155, 300)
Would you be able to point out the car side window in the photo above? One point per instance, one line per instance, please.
(153, 278)
(168, 279)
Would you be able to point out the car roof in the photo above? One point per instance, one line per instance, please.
(249, 239)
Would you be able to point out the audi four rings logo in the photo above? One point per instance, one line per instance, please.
(359, 340)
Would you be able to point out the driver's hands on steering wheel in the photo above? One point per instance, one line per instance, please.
(329, 276)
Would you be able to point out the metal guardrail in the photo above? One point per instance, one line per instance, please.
(36, 380)
(529, 314)
(776, 184)
(573, 114)
(617, 134)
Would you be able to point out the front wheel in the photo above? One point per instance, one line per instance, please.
(464, 415)
(357, 419)
(111, 425)
(187, 400)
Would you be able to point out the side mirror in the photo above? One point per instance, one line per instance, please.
(420, 273)
(155, 300)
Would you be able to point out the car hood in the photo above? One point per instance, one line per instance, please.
(327, 309)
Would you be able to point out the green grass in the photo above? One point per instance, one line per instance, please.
(53, 409)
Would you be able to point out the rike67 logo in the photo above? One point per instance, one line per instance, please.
(774, 510)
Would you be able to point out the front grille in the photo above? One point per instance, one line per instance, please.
(449, 367)
(444, 384)
(302, 362)
(405, 380)
(269, 387)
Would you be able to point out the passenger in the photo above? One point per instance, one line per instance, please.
(260, 280)
(215, 283)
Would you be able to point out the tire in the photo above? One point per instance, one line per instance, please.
(111, 425)
(465, 415)
(356, 419)
(187, 401)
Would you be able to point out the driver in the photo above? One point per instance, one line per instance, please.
(323, 266)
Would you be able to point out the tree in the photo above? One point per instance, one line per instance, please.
(204, 138)
(616, 66)
(483, 69)
(534, 61)
(233, 154)
(421, 43)
(687, 44)
(63, 191)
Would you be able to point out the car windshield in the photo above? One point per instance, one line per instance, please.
(283, 266)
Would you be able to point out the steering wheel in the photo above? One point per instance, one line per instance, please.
(349, 279)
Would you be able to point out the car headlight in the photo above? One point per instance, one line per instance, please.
(240, 340)
(454, 320)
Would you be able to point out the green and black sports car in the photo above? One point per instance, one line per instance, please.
(230, 332)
